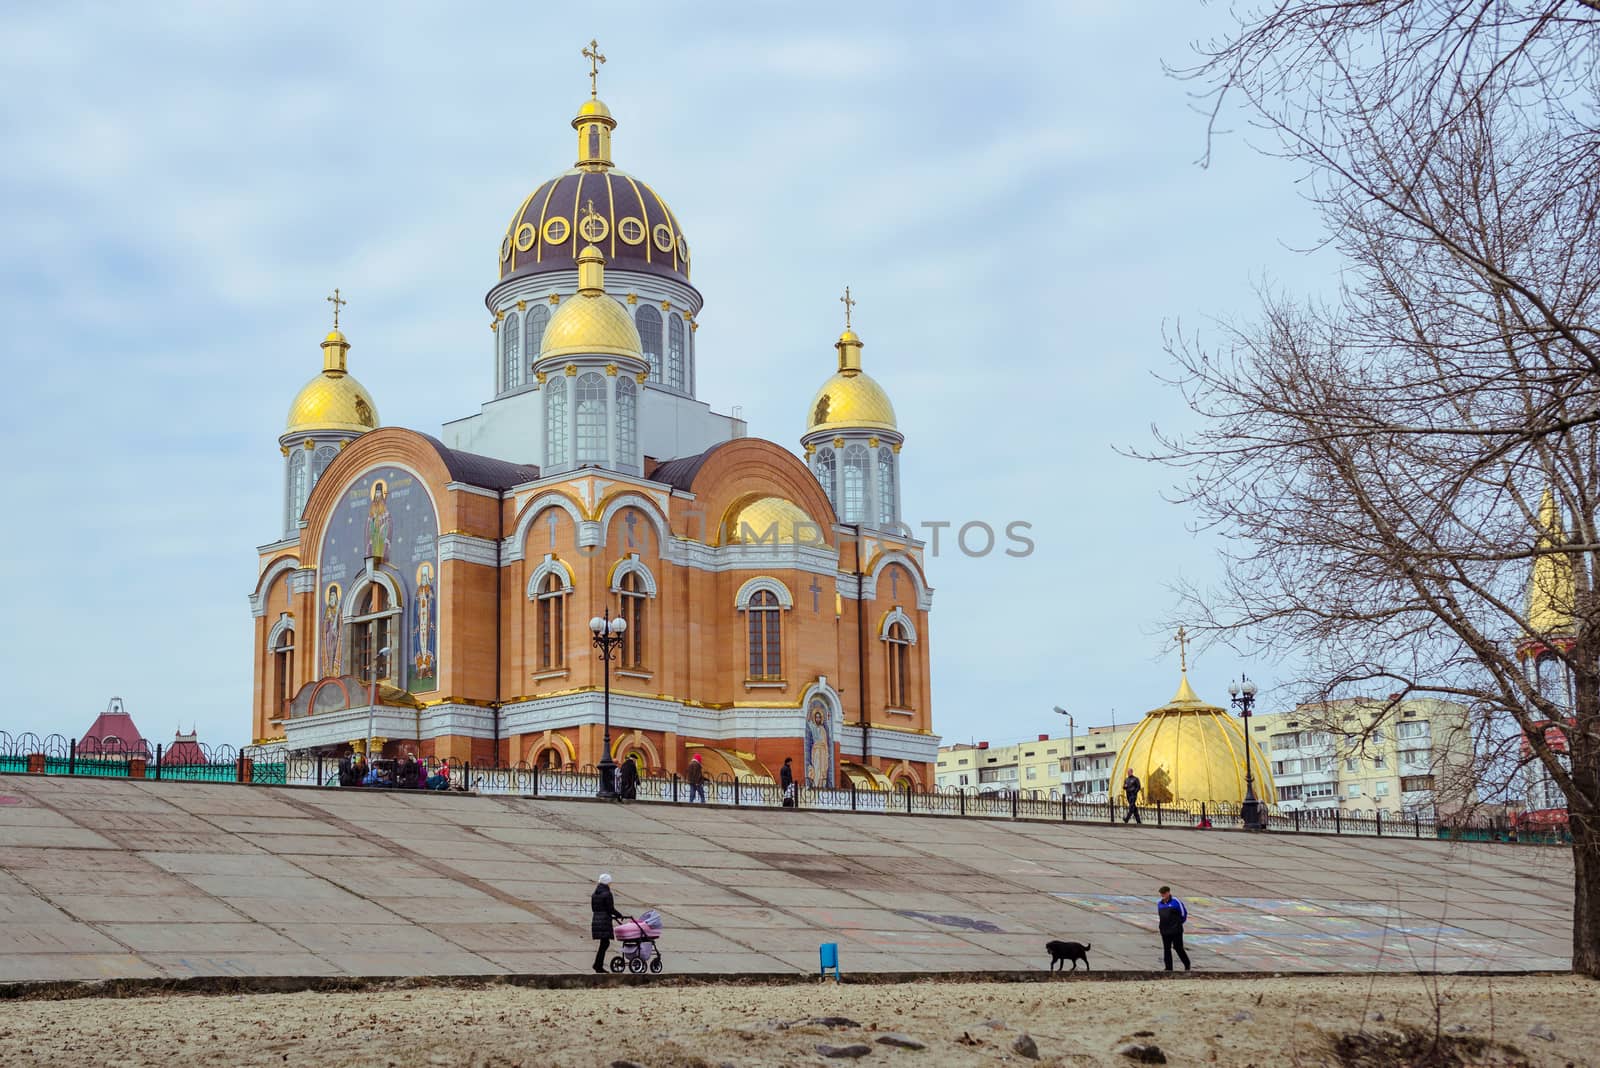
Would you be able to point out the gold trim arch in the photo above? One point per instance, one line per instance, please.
(1195, 750)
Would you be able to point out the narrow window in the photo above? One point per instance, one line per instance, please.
(320, 461)
(627, 423)
(633, 597)
(899, 666)
(886, 512)
(591, 406)
(649, 322)
(675, 352)
(299, 487)
(825, 465)
(855, 484)
(689, 358)
(533, 334)
(511, 350)
(283, 656)
(594, 140)
(552, 619)
(555, 421)
(763, 619)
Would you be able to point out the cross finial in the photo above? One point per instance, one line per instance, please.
(595, 58)
(848, 304)
(1183, 653)
(336, 302)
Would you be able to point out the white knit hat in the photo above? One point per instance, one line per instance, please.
(605, 880)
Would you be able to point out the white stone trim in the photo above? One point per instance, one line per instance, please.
(258, 596)
(651, 509)
(361, 581)
(893, 744)
(631, 565)
(292, 542)
(549, 565)
(741, 600)
(869, 582)
(284, 622)
(303, 581)
(470, 549)
(513, 549)
(817, 560)
(630, 712)
(467, 487)
(468, 721)
(898, 615)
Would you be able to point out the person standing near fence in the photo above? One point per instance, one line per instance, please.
(1171, 915)
(786, 780)
(628, 786)
(697, 779)
(1130, 789)
(603, 910)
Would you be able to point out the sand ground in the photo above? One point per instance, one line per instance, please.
(1194, 1020)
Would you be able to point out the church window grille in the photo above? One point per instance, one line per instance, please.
(886, 498)
(511, 350)
(283, 662)
(533, 334)
(763, 619)
(825, 469)
(899, 644)
(299, 488)
(591, 409)
(855, 483)
(634, 597)
(627, 423)
(631, 230)
(594, 228)
(373, 634)
(555, 231)
(555, 421)
(649, 323)
(552, 622)
(675, 352)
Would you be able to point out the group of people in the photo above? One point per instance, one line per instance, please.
(408, 773)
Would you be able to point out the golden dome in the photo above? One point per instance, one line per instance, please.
(1550, 588)
(1187, 750)
(593, 108)
(591, 323)
(333, 400)
(771, 520)
(850, 399)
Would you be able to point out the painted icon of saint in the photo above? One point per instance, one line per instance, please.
(378, 520)
(819, 747)
(330, 631)
(422, 659)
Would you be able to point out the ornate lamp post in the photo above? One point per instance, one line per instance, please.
(608, 639)
(1253, 812)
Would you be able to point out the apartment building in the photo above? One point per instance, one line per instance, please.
(1035, 767)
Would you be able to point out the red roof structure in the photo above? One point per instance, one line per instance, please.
(115, 723)
(185, 749)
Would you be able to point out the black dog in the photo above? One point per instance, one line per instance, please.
(1061, 952)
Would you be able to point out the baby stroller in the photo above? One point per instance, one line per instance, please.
(638, 937)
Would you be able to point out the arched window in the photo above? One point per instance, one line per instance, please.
(322, 458)
(627, 423)
(649, 322)
(591, 407)
(299, 487)
(634, 596)
(372, 635)
(594, 140)
(555, 421)
(675, 351)
(689, 349)
(886, 513)
(533, 334)
(899, 644)
(552, 599)
(855, 484)
(511, 350)
(825, 465)
(763, 622)
(283, 663)
(549, 759)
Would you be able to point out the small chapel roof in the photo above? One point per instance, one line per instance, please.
(185, 749)
(114, 722)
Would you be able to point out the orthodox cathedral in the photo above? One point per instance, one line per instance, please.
(434, 593)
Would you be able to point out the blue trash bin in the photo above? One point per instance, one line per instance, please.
(830, 959)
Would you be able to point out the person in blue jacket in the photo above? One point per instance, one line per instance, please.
(1172, 915)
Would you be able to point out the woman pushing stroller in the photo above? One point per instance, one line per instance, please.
(604, 909)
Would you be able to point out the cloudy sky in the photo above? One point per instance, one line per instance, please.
(1011, 191)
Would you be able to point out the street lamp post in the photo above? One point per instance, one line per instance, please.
(1252, 811)
(372, 681)
(1072, 749)
(608, 639)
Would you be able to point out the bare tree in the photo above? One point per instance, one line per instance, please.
(1379, 462)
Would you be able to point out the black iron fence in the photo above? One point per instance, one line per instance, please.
(275, 765)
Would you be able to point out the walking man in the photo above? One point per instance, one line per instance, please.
(1171, 915)
(697, 779)
(786, 780)
(1130, 788)
(604, 910)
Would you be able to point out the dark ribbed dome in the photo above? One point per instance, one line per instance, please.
(631, 226)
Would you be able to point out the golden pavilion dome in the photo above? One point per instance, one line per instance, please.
(591, 323)
(1188, 750)
(851, 399)
(770, 520)
(333, 400)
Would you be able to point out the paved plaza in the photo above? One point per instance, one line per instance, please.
(117, 879)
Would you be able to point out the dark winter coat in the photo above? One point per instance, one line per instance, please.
(1131, 786)
(786, 776)
(604, 908)
(697, 773)
(347, 772)
(628, 789)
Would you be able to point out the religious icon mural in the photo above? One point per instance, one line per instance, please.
(819, 743)
(386, 516)
(425, 635)
(330, 630)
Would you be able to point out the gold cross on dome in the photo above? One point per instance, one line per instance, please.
(595, 58)
(1183, 654)
(848, 304)
(336, 302)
